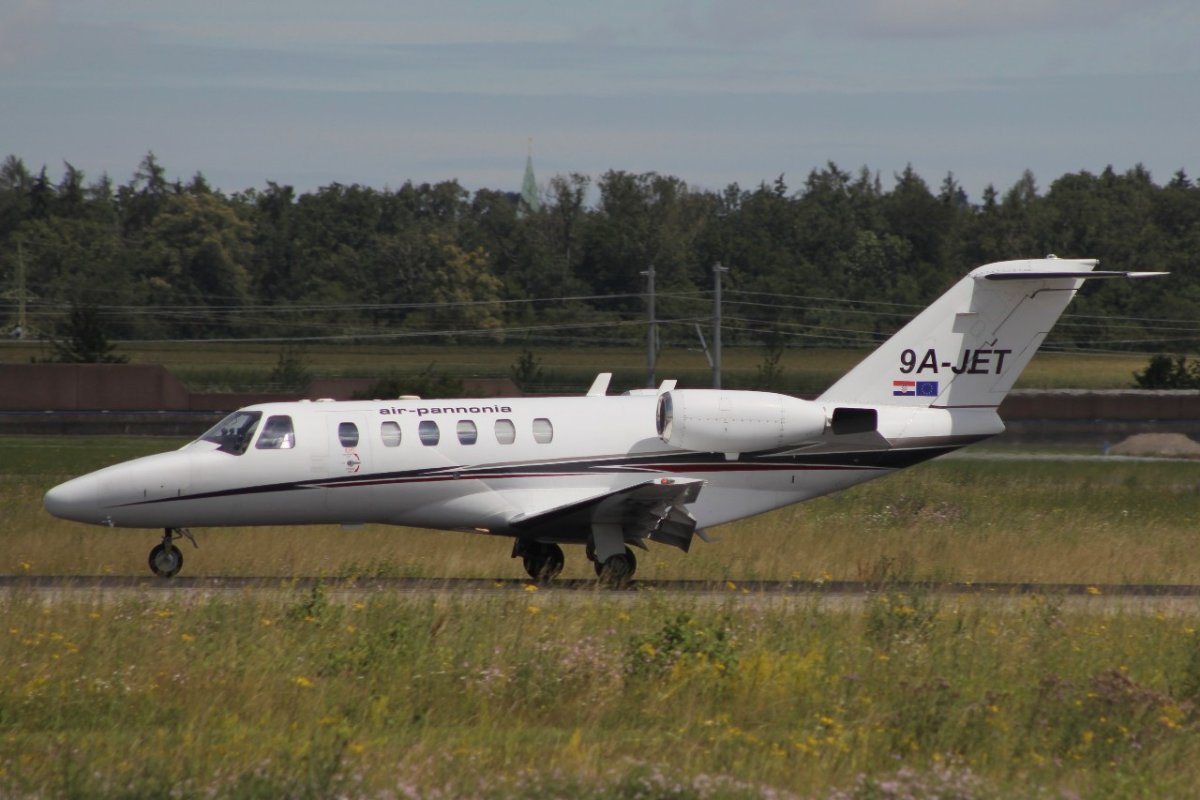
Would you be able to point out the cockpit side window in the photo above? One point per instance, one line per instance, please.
(277, 434)
(233, 434)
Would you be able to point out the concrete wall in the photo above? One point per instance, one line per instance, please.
(151, 387)
(75, 387)
(1115, 404)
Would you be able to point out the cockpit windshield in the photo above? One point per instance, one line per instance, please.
(233, 434)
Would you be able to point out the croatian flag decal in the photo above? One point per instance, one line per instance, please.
(914, 388)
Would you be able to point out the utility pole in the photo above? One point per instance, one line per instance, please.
(21, 331)
(22, 325)
(651, 329)
(717, 270)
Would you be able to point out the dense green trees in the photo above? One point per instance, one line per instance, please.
(839, 260)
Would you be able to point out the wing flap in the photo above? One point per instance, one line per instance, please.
(654, 510)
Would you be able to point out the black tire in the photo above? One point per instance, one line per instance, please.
(166, 560)
(544, 562)
(617, 570)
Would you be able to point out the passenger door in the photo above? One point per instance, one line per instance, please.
(350, 457)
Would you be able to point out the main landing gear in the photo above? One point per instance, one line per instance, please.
(166, 559)
(616, 570)
(542, 561)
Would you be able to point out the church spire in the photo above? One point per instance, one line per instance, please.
(529, 191)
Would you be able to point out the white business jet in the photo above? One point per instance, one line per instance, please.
(606, 472)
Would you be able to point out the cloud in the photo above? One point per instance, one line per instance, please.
(739, 22)
(956, 18)
(23, 29)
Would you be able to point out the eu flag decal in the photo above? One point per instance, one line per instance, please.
(904, 388)
(927, 388)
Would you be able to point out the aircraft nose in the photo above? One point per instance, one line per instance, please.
(75, 500)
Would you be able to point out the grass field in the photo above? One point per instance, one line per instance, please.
(578, 695)
(537, 694)
(950, 519)
(228, 367)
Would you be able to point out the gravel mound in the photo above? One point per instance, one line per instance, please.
(1174, 445)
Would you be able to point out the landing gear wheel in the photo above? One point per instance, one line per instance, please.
(617, 570)
(544, 562)
(166, 560)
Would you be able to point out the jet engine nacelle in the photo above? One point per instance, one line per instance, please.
(715, 420)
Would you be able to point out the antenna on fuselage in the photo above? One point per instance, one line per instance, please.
(600, 385)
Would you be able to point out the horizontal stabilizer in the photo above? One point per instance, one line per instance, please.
(1042, 276)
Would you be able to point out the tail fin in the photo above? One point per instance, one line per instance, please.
(969, 347)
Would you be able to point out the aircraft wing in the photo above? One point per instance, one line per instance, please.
(652, 510)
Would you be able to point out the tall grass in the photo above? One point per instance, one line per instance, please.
(535, 693)
(317, 694)
(950, 519)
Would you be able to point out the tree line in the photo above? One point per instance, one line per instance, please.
(839, 260)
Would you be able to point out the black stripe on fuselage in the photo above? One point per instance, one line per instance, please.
(672, 462)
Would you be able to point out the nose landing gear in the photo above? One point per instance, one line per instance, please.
(166, 559)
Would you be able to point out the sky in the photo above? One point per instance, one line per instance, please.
(310, 92)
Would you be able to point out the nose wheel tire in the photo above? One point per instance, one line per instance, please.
(616, 571)
(165, 560)
(544, 562)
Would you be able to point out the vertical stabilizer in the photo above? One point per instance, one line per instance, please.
(969, 347)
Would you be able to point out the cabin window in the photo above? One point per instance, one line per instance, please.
(506, 432)
(429, 433)
(390, 433)
(543, 431)
(467, 432)
(233, 434)
(348, 434)
(277, 434)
